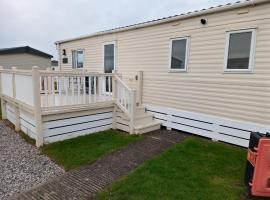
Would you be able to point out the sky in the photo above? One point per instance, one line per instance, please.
(39, 23)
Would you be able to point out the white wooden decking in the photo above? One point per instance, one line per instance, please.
(51, 106)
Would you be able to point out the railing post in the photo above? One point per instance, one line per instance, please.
(99, 85)
(114, 96)
(16, 109)
(13, 81)
(49, 81)
(114, 84)
(132, 110)
(3, 106)
(140, 87)
(37, 105)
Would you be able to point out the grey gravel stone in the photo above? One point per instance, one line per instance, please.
(22, 165)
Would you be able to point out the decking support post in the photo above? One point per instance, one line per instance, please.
(114, 99)
(37, 105)
(140, 87)
(215, 132)
(3, 109)
(114, 117)
(16, 109)
(3, 103)
(133, 110)
(169, 121)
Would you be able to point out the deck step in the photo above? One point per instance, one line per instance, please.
(137, 116)
(140, 110)
(144, 122)
(144, 119)
(147, 127)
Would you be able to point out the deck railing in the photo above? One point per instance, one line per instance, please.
(55, 88)
(74, 87)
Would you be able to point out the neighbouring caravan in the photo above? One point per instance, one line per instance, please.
(205, 72)
(24, 58)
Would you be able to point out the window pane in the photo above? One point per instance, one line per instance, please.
(109, 58)
(74, 60)
(178, 59)
(80, 59)
(239, 50)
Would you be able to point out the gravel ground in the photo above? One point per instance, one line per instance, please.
(21, 165)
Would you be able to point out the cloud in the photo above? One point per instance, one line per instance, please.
(40, 23)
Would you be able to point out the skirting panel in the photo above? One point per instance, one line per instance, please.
(27, 123)
(65, 128)
(217, 128)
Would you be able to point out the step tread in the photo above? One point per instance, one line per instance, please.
(146, 125)
(140, 116)
(147, 129)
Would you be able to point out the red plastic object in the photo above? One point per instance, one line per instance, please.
(252, 157)
(260, 185)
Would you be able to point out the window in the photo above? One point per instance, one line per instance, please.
(77, 59)
(109, 57)
(240, 50)
(109, 60)
(179, 54)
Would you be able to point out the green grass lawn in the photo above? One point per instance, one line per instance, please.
(84, 150)
(196, 169)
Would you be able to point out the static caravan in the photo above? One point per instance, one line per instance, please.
(205, 72)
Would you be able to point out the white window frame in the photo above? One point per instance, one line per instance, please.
(187, 38)
(251, 55)
(76, 67)
(114, 42)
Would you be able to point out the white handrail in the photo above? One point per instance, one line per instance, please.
(74, 73)
(118, 79)
(125, 98)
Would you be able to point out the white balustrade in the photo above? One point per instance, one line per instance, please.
(71, 88)
(56, 88)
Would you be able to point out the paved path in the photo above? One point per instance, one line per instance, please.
(84, 183)
(21, 164)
